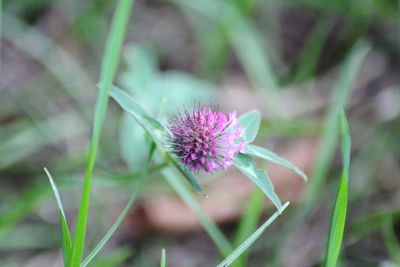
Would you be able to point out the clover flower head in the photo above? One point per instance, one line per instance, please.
(206, 138)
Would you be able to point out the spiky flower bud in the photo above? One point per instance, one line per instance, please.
(205, 138)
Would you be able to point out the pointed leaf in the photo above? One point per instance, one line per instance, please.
(250, 122)
(163, 262)
(246, 165)
(66, 236)
(340, 209)
(271, 156)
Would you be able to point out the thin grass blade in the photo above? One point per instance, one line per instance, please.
(163, 262)
(66, 236)
(108, 70)
(248, 224)
(328, 142)
(251, 239)
(123, 214)
(340, 209)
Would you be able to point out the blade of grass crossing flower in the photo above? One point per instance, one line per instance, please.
(251, 239)
(211, 228)
(154, 129)
(66, 236)
(108, 70)
(248, 223)
(247, 166)
(163, 262)
(250, 123)
(271, 156)
(340, 209)
(123, 214)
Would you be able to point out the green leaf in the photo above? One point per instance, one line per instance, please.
(155, 130)
(340, 209)
(163, 262)
(108, 69)
(247, 166)
(391, 242)
(66, 236)
(250, 122)
(251, 239)
(271, 156)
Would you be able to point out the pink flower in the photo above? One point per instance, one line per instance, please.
(206, 139)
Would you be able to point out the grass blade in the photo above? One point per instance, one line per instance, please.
(248, 223)
(251, 239)
(211, 228)
(163, 262)
(66, 236)
(339, 212)
(328, 142)
(108, 70)
(260, 177)
(271, 156)
(122, 215)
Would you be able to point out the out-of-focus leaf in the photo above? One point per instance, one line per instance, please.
(250, 123)
(163, 262)
(150, 88)
(271, 156)
(391, 241)
(115, 258)
(246, 165)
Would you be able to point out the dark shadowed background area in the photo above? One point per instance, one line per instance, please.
(297, 61)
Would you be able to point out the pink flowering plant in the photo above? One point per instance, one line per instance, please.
(206, 139)
(203, 139)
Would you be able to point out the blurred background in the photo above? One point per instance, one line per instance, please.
(297, 61)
